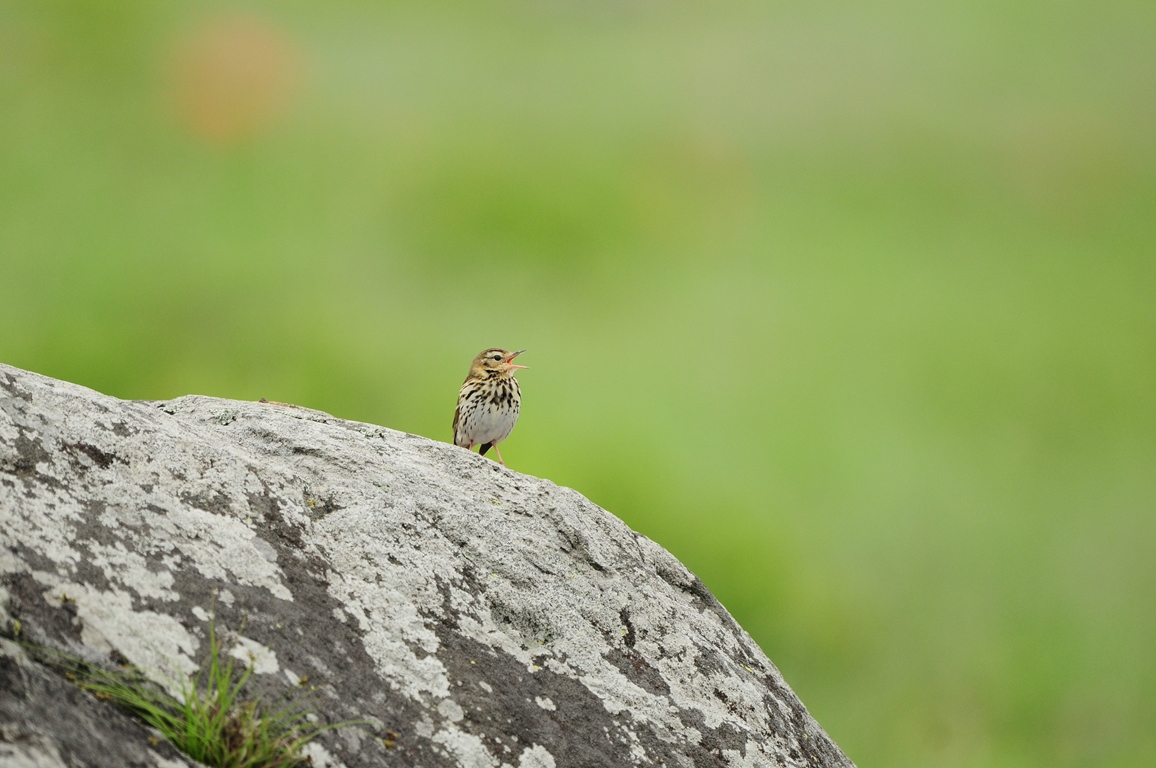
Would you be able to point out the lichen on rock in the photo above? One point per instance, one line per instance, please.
(480, 616)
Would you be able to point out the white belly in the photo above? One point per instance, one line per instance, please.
(491, 424)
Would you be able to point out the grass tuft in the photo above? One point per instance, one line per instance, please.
(211, 722)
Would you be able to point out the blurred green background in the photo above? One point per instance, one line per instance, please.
(850, 305)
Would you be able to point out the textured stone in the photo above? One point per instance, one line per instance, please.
(475, 616)
(47, 722)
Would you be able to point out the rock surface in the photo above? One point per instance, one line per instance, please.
(473, 615)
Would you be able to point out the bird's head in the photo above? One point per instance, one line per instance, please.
(495, 361)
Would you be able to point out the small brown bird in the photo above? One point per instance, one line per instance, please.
(489, 402)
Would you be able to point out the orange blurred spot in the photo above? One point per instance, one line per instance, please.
(233, 78)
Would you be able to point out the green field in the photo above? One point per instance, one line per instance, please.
(851, 306)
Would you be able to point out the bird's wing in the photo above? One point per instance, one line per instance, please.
(458, 415)
(463, 396)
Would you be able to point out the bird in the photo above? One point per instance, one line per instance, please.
(489, 402)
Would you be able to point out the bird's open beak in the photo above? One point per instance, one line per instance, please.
(509, 360)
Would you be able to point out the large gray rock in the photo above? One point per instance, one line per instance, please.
(485, 617)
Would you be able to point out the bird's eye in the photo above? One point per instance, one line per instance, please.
(497, 357)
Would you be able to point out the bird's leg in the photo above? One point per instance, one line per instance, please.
(499, 455)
